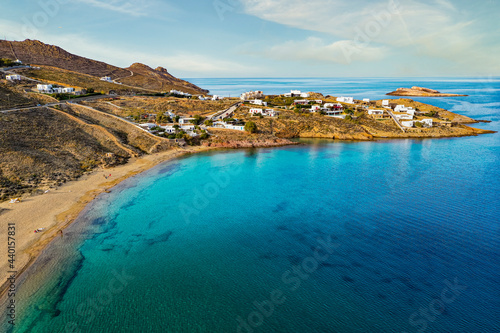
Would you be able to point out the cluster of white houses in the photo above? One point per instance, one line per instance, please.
(49, 89)
(251, 95)
(403, 114)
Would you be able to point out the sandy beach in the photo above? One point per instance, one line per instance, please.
(58, 208)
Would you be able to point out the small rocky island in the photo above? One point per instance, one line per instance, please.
(420, 92)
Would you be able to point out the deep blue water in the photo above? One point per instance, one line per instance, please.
(388, 236)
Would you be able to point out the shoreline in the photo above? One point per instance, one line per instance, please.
(59, 208)
(74, 196)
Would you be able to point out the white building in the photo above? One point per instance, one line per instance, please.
(271, 112)
(426, 122)
(13, 77)
(301, 101)
(256, 111)
(180, 93)
(44, 88)
(258, 102)
(315, 108)
(297, 93)
(266, 112)
(107, 79)
(68, 90)
(183, 121)
(366, 100)
(251, 95)
(188, 127)
(400, 108)
(408, 123)
(385, 103)
(57, 90)
(335, 114)
(348, 100)
(335, 106)
(169, 129)
(318, 101)
(148, 126)
(403, 116)
(221, 124)
(216, 97)
(375, 112)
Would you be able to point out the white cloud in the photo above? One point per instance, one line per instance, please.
(130, 7)
(315, 49)
(429, 28)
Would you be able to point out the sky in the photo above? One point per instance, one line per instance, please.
(270, 38)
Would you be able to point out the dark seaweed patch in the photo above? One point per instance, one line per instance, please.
(159, 239)
(347, 278)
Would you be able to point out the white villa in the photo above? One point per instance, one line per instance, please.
(375, 112)
(426, 122)
(147, 126)
(403, 116)
(169, 129)
(301, 101)
(44, 88)
(404, 109)
(68, 90)
(13, 77)
(256, 111)
(258, 102)
(335, 113)
(385, 103)
(315, 108)
(216, 97)
(297, 93)
(221, 124)
(411, 123)
(251, 95)
(366, 100)
(183, 121)
(348, 100)
(107, 79)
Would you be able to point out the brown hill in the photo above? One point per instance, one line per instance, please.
(37, 53)
(45, 147)
(157, 79)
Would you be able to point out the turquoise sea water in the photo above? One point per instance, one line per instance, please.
(329, 236)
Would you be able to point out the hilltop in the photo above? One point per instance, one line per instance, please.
(138, 75)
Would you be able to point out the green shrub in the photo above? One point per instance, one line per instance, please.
(251, 127)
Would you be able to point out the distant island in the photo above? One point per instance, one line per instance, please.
(420, 92)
